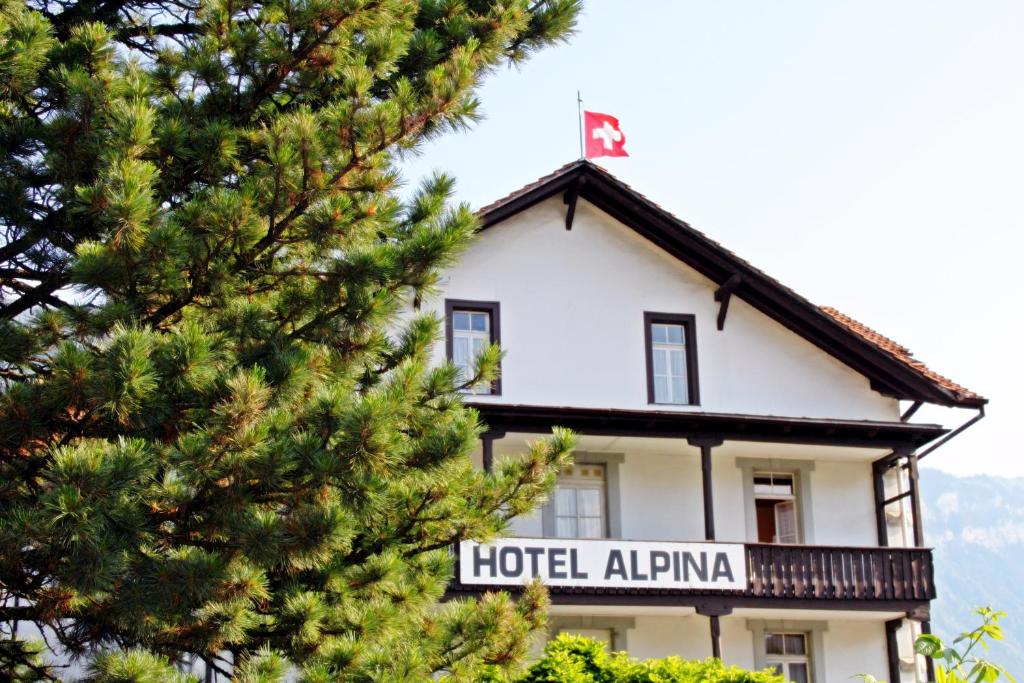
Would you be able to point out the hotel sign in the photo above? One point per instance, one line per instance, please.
(603, 563)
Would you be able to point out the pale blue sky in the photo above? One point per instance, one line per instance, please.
(868, 154)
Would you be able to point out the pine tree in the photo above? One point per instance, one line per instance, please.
(216, 437)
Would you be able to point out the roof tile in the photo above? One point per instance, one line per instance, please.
(899, 352)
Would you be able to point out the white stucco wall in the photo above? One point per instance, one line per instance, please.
(660, 496)
(686, 637)
(855, 647)
(844, 504)
(572, 305)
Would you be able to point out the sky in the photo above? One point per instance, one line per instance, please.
(868, 154)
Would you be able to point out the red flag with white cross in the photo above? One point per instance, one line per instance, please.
(603, 135)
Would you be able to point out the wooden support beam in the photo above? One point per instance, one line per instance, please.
(713, 611)
(915, 406)
(892, 649)
(487, 444)
(929, 663)
(722, 296)
(915, 500)
(877, 474)
(705, 445)
(716, 637)
(572, 195)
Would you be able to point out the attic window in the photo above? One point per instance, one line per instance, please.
(470, 326)
(671, 359)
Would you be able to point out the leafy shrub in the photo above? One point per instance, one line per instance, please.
(575, 659)
(958, 662)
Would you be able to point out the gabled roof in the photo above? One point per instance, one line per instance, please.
(890, 367)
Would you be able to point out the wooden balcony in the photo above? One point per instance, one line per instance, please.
(798, 576)
(826, 573)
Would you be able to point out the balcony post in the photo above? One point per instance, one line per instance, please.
(915, 499)
(487, 445)
(878, 469)
(892, 648)
(706, 444)
(929, 663)
(714, 613)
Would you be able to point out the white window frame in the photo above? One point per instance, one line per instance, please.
(801, 471)
(669, 348)
(791, 498)
(472, 337)
(612, 504)
(814, 630)
(570, 479)
(784, 660)
(618, 626)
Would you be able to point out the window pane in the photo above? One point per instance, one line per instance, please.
(565, 501)
(796, 644)
(478, 345)
(460, 320)
(798, 673)
(785, 523)
(589, 502)
(661, 390)
(783, 485)
(590, 527)
(460, 351)
(675, 334)
(773, 484)
(479, 321)
(660, 361)
(659, 335)
(773, 643)
(565, 527)
(678, 390)
(677, 362)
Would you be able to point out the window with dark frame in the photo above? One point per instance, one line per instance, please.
(671, 348)
(469, 327)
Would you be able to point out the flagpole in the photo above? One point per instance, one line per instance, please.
(579, 113)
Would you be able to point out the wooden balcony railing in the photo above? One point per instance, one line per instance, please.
(825, 573)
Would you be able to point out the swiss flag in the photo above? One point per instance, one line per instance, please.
(604, 138)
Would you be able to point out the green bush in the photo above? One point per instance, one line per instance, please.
(574, 659)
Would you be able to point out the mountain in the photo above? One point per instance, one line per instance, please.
(976, 525)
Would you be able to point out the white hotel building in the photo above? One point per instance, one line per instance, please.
(745, 481)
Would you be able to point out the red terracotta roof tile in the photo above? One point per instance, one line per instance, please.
(530, 186)
(899, 352)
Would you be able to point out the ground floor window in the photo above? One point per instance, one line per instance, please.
(604, 636)
(787, 653)
(609, 631)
